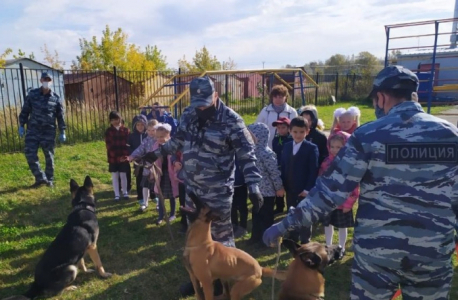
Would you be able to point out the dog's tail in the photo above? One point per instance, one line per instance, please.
(279, 275)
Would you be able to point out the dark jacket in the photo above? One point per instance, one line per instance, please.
(116, 143)
(135, 137)
(317, 137)
(278, 143)
(302, 174)
(239, 179)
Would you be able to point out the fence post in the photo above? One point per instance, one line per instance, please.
(294, 81)
(337, 84)
(175, 91)
(226, 89)
(24, 94)
(263, 89)
(354, 78)
(316, 88)
(346, 86)
(115, 74)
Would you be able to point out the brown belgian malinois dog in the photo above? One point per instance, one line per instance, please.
(304, 278)
(207, 260)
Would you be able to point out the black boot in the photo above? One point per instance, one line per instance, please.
(187, 289)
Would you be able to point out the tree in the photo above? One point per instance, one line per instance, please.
(114, 50)
(229, 64)
(52, 59)
(368, 63)
(22, 54)
(3, 56)
(202, 61)
(393, 56)
(337, 63)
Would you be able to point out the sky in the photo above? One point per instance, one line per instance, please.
(254, 33)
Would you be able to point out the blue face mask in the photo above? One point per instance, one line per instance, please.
(379, 112)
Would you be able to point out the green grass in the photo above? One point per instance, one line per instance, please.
(145, 263)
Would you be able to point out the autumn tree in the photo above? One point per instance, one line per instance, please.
(52, 59)
(368, 63)
(114, 50)
(3, 56)
(202, 61)
(22, 54)
(337, 63)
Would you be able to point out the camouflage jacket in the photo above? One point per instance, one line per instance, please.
(209, 153)
(407, 165)
(41, 111)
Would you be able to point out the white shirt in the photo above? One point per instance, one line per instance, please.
(296, 147)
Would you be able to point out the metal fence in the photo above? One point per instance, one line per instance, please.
(89, 96)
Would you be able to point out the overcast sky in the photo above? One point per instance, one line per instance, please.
(251, 32)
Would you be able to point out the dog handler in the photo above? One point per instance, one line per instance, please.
(210, 135)
(406, 165)
(42, 107)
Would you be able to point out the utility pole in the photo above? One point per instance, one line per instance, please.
(263, 64)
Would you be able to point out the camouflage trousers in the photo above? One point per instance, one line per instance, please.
(46, 140)
(375, 277)
(220, 201)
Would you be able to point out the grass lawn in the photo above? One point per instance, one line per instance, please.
(145, 263)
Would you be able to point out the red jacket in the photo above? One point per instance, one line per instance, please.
(116, 142)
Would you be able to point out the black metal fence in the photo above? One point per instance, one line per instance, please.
(89, 96)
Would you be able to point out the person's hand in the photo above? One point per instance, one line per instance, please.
(21, 131)
(345, 210)
(303, 194)
(62, 137)
(150, 157)
(177, 165)
(271, 235)
(257, 201)
(280, 192)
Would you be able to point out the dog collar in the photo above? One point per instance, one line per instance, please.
(83, 206)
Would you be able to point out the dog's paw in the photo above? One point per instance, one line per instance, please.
(90, 271)
(106, 275)
(71, 288)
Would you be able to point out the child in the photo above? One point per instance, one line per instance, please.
(145, 147)
(310, 113)
(239, 204)
(346, 120)
(168, 181)
(116, 137)
(281, 138)
(299, 169)
(177, 160)
(342, 217)
(271, 184)
(136, 138)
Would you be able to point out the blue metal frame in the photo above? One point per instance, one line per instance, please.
(302, 88)
(433, 68)
(387, 31)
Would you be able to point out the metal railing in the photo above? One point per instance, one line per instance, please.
(89, 96)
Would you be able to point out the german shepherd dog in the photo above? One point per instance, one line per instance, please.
(304, 278)
(58, 267)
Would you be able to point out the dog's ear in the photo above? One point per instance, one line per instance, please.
(291, 245)
(88, 182)
(73, 186)
(312, 260)
(195, 200)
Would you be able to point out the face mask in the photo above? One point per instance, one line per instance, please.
(379, 112)
(206, 114)
(46, 84)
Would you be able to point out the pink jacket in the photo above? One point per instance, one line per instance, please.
(325, 165)
(172, 173)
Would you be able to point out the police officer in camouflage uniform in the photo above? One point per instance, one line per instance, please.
(211, 136)
(41, 109)
(406, 165)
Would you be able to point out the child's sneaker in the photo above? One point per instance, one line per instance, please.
(142, 208)
(156, 200)
(126, 196)
(116, 198)
(159, 222)
(172, 218)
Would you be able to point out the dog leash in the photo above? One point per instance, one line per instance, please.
(155, 171)
(279, 241)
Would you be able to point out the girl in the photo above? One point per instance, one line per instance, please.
(346, 120)
(116, 137)
(145, 147)
(168, 181)
(342, 217)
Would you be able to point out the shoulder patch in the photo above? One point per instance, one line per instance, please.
(421, 153)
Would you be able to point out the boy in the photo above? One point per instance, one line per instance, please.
(135, 140)
(116, 137)
(299, 169)
(282, 137)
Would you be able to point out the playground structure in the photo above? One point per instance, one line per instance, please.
(240, 84)
(434, 58)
